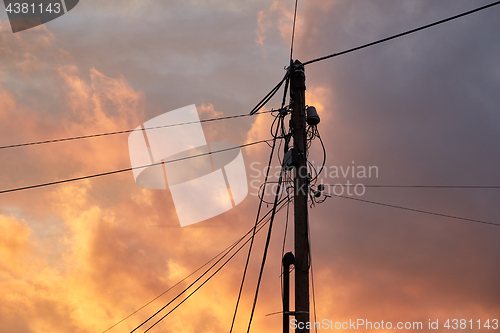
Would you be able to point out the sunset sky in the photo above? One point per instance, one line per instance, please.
(424, 109)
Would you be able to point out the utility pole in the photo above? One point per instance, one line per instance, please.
(298, 123)
(288, 259)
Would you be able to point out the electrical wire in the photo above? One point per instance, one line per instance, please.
(127, 131)
(311, 134)
(293, 31)
(420, 186)
(256, 220)
(204, 282)
(175, 285)
(268, 97)
(418, 210)
(264, 256)
(187, 288)
(402, 34)
(124, 170)
(226, 250)
(433, 186)
(312, 274)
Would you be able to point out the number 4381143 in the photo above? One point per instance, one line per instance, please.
(26, 8)
(462, 324)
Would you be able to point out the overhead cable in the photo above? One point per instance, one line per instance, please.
(16, 189)
(126, 131)
(418, 210)
(402, 34)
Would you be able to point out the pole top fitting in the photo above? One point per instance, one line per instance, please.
(297, 63)
(298, 68)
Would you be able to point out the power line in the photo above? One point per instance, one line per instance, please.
(418, 210)
(124, 170)
(268, 97)
(293, 31)
(175, 285)
(208, 279)
(127, 131)
(266, 247)
(227, 251)
(422, 186)
(414, 186)
(436, 186)
(402, 34)
(275, 136)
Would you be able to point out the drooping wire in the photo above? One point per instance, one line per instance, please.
(213, 274)
(126, 169)
(172, 300)
(324, 155)
(175, 285)
(417, 210)
(277, 124)
(264, 256)
(261, 193)
(402, 34)
(264, 219)
(256, 220)
(126, 131)
(226, 250)
(312, 133)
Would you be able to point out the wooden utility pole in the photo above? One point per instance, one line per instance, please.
(298, 123)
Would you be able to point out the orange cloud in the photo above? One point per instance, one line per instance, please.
(14, 244)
